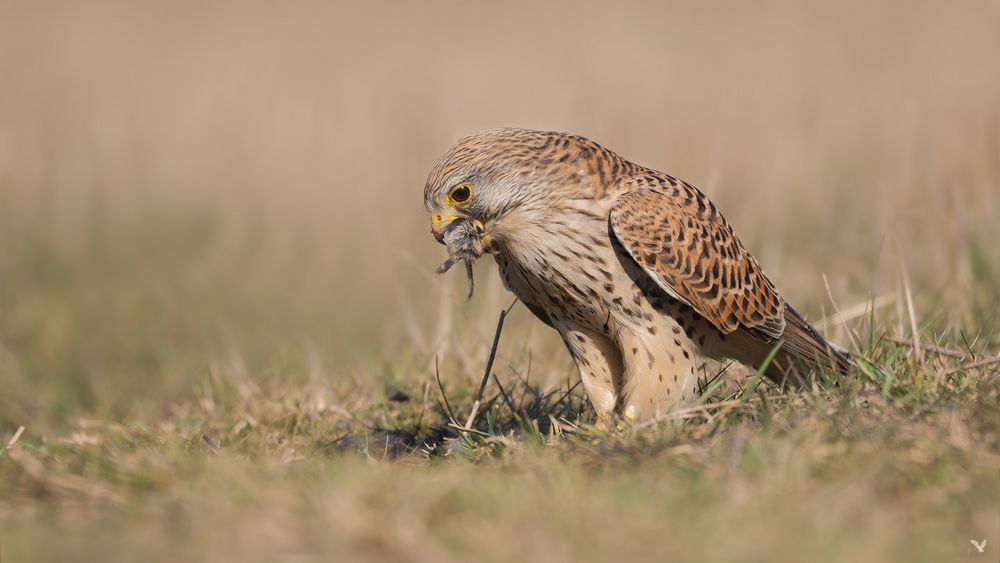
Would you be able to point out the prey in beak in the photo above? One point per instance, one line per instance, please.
(465, 241)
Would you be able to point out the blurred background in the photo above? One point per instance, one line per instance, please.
(185, 185)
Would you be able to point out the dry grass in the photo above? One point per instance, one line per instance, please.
(219, 320)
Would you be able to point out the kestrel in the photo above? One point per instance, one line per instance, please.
(638, 271)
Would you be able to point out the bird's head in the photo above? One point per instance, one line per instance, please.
(474, 193)
(489, 189)
(482, 186)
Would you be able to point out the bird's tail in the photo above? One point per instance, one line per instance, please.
(801, 343)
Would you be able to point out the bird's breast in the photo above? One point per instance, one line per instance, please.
(567, 267)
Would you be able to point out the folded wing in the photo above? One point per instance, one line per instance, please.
(680, 240)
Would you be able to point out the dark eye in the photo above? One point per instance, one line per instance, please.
(461, 193)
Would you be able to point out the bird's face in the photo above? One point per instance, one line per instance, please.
(461, 217)
(469, 194)
(488, 190)
(458, 213)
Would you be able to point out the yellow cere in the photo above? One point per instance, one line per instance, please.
(439, 219)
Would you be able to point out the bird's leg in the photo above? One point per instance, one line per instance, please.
(660, 373)
(600, 366)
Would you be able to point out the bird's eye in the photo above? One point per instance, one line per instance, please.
(460, 195)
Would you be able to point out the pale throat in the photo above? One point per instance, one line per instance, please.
(526, 236)
(517, 227)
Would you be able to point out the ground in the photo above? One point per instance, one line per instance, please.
(221, 337)
(892, 467)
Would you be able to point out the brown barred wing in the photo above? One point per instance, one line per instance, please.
(681, 240)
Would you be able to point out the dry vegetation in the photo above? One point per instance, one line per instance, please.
(219, 320)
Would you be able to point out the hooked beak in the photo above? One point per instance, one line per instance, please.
(464, 239)
(439, 225)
